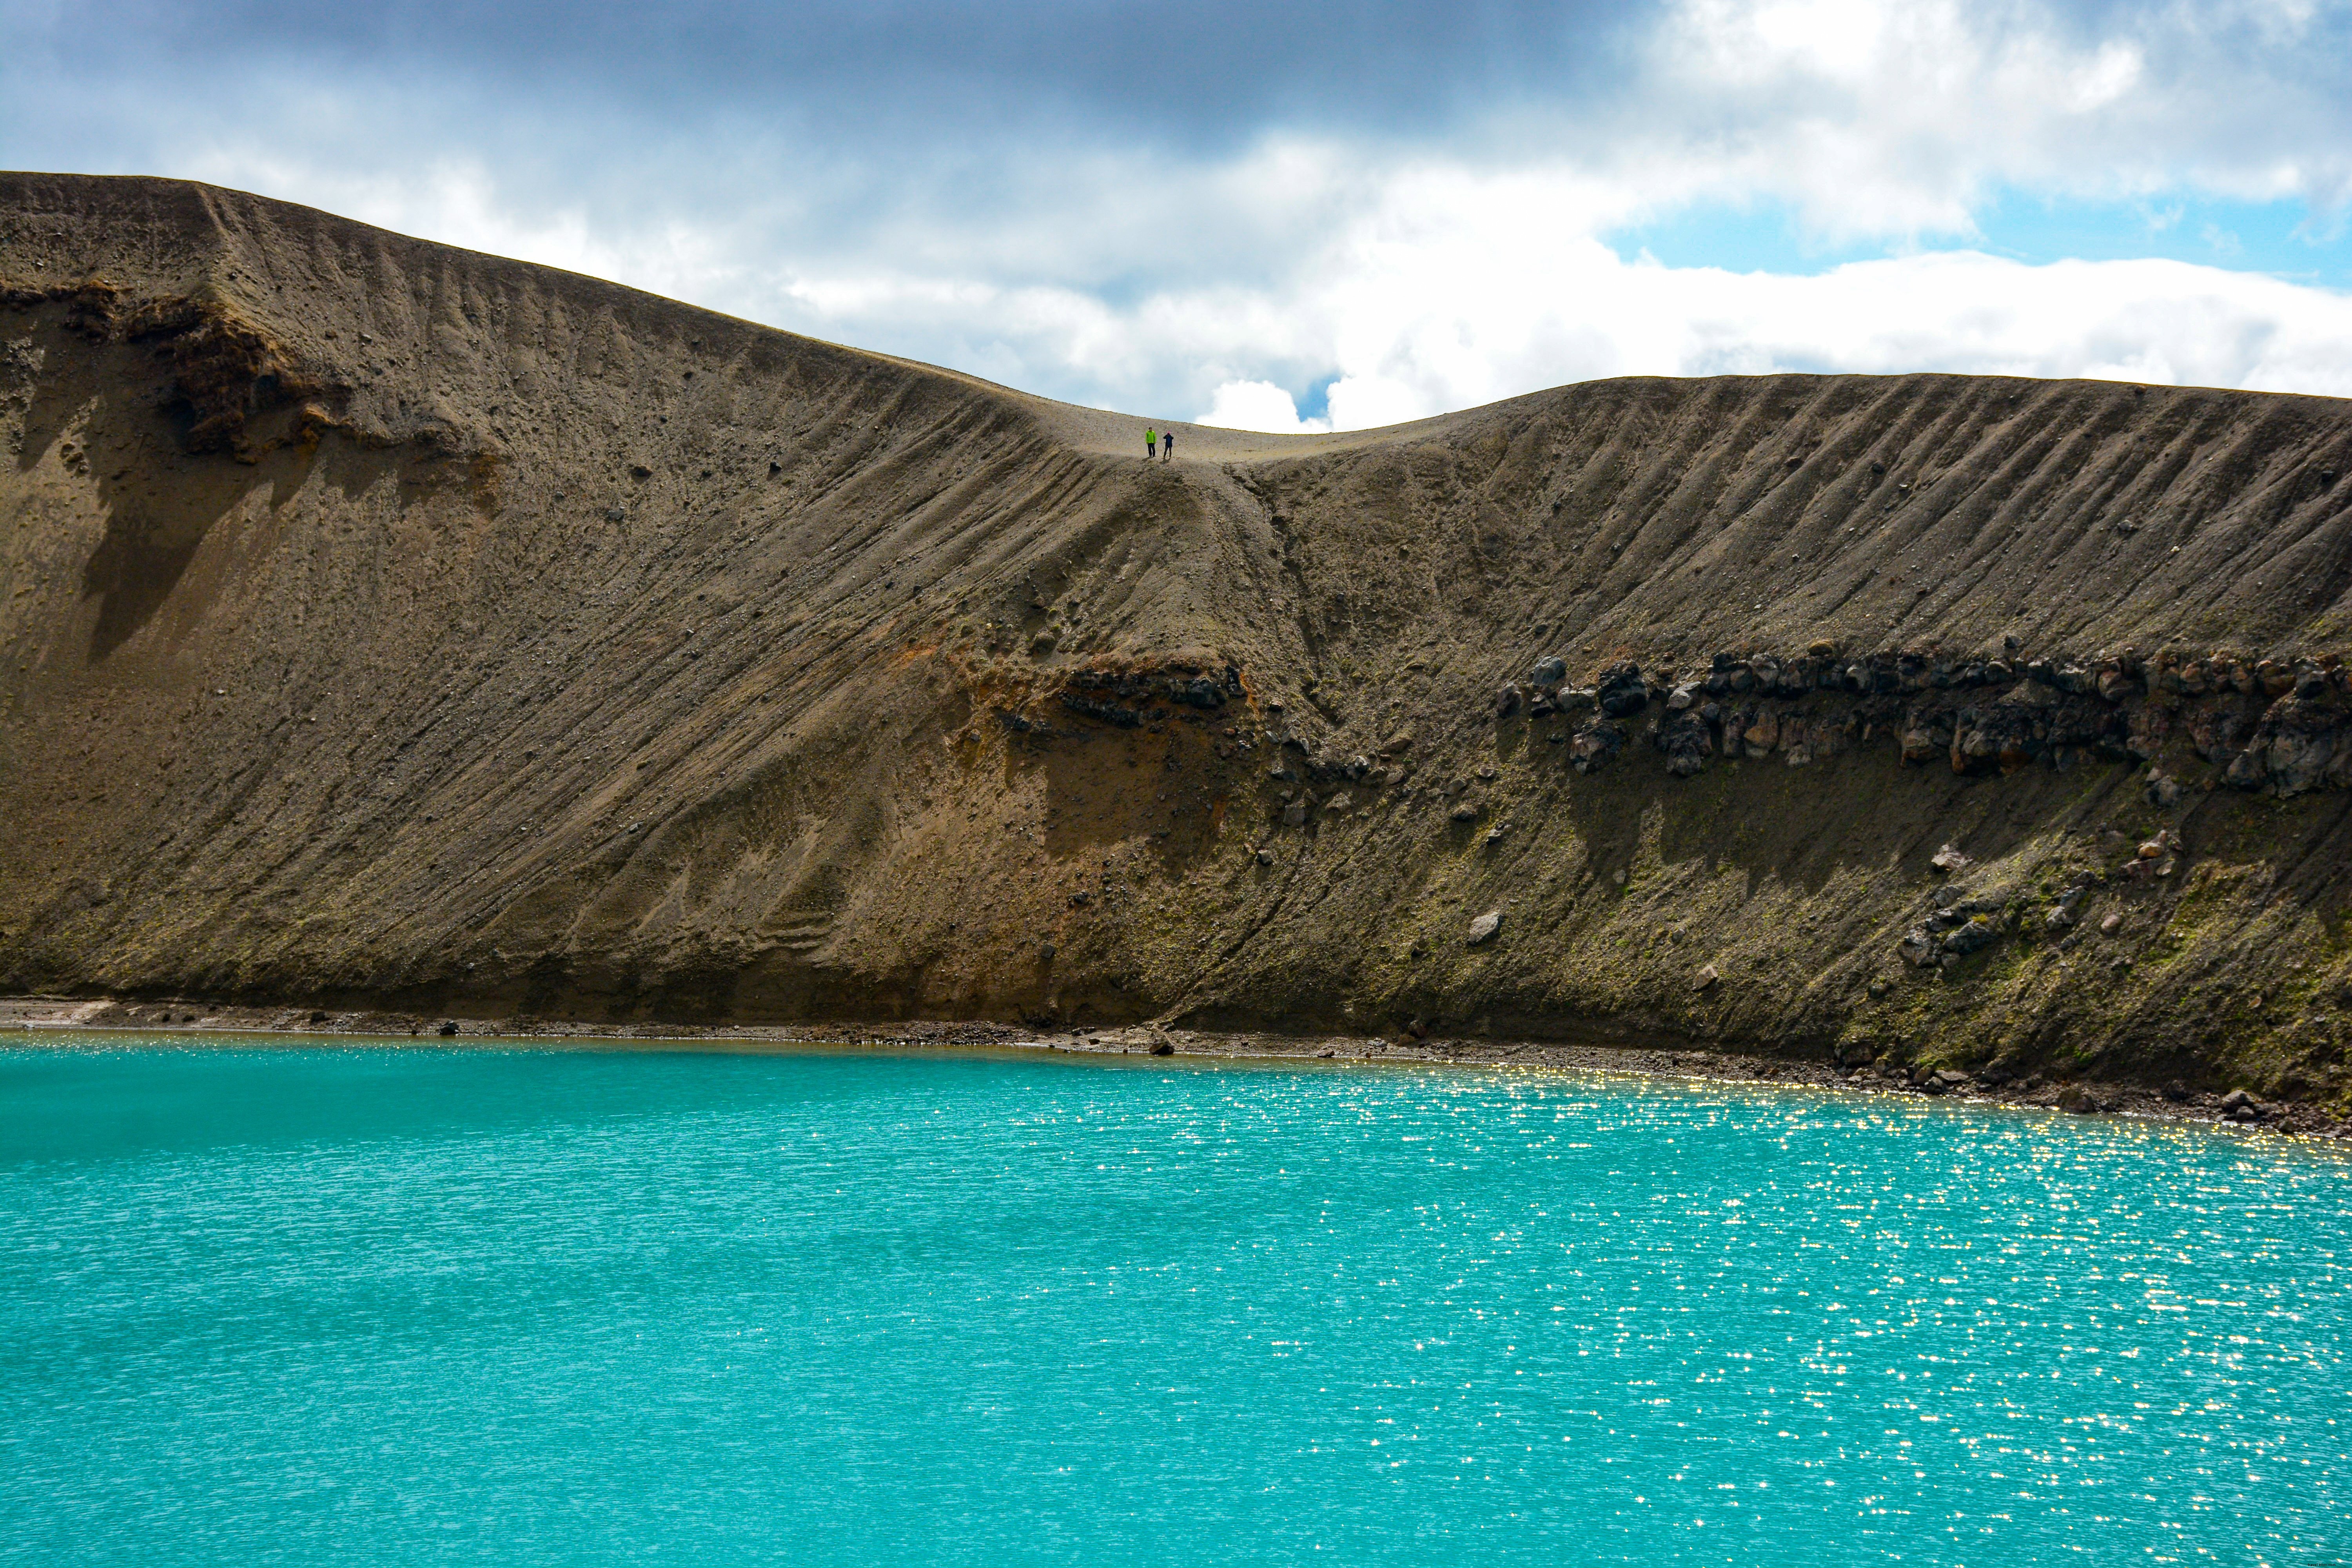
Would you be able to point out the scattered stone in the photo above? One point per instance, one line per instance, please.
(1466, 812)
(1917, 947)
(318, 1017)
(1265, 857)
(2237, 1100)
(2164, 791)
(1506, 701)
(1683, 696)
(1484, 928)
(2113, 923)
(1950, 1078)
(1548, 674)
(447, 1030)
(2176, 1092)
(1948, 859)
(1162, 1048)
(1295, 814)
(1705, 979)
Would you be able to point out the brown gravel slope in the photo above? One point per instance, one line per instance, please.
(388, 625)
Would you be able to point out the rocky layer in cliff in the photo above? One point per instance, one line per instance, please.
(388, 623)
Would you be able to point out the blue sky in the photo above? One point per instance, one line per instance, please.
(2285, 238)
(1266, 213)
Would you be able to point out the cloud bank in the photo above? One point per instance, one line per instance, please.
(1290, 218)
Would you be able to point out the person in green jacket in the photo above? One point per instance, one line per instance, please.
(1150, 444)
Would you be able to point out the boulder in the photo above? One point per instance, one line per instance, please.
(1484, 928)
(1684, 740)
(1199, 692)
(1621, 690)
(1549, 673)
(2291, 748)
(1922, 737)
(2217, 726)
(1591, 747)
(1949, 859)
(1979, 931)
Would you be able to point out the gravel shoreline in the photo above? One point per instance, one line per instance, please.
(58, 1018)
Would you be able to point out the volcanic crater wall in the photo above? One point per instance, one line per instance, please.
(388, 623)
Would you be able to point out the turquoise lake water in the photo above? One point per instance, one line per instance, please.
(274, 1305)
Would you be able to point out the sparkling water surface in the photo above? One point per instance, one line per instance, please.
(262, 1304)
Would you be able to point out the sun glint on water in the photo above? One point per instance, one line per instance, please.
(405, 1306)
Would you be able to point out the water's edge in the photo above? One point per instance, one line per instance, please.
(61, 1019)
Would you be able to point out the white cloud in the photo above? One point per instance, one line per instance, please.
(1258, 406)
(1411, 278)
(1423, 329)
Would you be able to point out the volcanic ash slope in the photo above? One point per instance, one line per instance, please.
(387, 622)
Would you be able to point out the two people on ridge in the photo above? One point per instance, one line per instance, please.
(1167, 443)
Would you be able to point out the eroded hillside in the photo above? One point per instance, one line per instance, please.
(385, 621)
